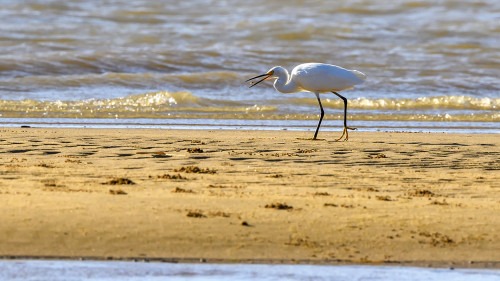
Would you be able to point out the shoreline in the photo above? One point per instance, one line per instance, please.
(295, 125)
(201, 260)
(382, 198)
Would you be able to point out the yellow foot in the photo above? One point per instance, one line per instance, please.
(345, 133)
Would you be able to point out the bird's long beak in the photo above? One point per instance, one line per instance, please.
(267, 76)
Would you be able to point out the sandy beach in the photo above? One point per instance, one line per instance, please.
(231, 196)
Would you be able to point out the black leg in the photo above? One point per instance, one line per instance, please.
(345, 107)
(321, 116)
(345, 118)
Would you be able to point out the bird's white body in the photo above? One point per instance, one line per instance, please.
(317, 78)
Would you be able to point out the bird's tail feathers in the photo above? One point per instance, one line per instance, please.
(359, 74)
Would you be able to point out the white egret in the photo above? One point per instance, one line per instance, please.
(317, 78)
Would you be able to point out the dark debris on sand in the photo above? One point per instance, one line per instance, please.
(170, 177)
(119, 181)
(195, 169)
(117, 192)
(195, 214)
(278, 206)
(421, 193)
(182, 190)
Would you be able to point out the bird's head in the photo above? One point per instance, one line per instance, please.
(274, 72)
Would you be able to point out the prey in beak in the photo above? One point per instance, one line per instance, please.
(266, 76)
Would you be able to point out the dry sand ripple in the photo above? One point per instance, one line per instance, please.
(380, 197)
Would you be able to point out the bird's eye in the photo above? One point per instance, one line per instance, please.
(270, 72)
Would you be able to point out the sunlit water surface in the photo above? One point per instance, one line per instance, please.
(430, 64)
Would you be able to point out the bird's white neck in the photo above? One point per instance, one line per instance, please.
(286, 85)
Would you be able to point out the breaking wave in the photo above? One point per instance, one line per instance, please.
(186, 105)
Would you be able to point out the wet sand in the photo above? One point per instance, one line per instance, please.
(262, 196)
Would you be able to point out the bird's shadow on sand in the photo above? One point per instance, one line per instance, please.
(311, 139)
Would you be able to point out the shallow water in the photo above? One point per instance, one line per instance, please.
(95, 270)
(426, 61)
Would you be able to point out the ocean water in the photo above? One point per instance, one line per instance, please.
(104, 271)
(430, 65)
